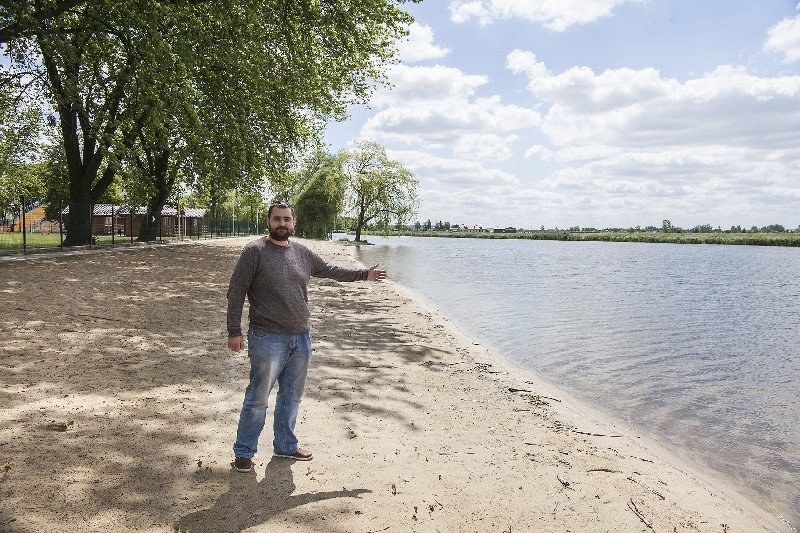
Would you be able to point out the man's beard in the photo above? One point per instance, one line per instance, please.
(280, 233)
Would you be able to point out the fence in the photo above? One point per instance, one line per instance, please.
(28, 230)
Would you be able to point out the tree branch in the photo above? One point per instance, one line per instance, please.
(17, 29)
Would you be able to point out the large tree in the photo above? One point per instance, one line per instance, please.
(274, 72)
(22, 18)
(378, 188)
(83, 58)
(222, 92)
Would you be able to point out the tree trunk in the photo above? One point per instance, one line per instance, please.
(81, 150)
(360, 221)
(82, 196)
(79, 221)
(152, 222)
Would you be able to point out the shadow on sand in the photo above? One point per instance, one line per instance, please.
(249, 503)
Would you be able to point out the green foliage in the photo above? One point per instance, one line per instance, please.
(320, 198)
(20, 125)
(379, 190)
(220, 95)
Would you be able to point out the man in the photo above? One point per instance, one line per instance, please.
(273, 273)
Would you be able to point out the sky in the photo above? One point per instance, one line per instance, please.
(594, 113)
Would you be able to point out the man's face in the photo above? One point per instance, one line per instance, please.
(281, 223)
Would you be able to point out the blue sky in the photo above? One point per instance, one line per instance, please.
(600, 113)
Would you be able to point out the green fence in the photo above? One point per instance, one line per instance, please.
(28, 231)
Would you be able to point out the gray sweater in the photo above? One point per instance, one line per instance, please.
(274, 279)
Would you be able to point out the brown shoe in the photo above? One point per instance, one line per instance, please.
(243, 464)
(299, 455)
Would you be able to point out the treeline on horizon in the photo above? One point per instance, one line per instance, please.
(754, 239)
(771, 235)
(666, 227)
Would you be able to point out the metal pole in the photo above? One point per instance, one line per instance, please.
(91, 224)
(24, 239)
(113, 223)
(61, 223)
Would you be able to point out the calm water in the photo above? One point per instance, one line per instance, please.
(698, 345)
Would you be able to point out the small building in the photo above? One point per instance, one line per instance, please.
(126, 221)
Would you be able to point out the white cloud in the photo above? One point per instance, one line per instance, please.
(419, 46)
(461, 174)
(557, 15)
(636, 138)
(642, 108)
(484, 147)
(437, 105)
(412, 85)
(538, 151)
(784, 38)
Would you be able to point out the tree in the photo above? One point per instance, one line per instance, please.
(320, 197)
(378, 188)
(83, 56)
(21, 18)
(224, 92)
(21, 171)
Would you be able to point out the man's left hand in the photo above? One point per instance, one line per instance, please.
(376, 274)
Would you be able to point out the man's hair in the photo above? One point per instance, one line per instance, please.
(282, 205)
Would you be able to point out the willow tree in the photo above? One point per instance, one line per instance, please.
(378, 188)
(319, 195)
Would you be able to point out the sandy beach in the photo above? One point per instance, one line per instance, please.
(120, 403)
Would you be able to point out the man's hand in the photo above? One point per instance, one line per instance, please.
(375, 274)
(236, 344)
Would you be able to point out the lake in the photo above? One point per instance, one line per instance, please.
(697, 345)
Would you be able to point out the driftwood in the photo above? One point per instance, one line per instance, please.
(638, 513)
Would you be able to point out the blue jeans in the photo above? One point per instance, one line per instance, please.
(273, 357)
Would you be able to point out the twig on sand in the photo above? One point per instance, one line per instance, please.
(564, 482)
(512, 389)
(638, 513)
(648, 488)
(595, 434)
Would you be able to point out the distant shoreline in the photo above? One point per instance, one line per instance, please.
(749, 239)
